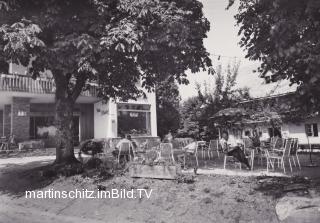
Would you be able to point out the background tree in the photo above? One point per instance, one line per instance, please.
(114, 43)
(196, 111)
(285, 36)
(168, 99)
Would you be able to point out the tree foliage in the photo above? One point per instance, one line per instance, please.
(114, 43)
(284, 35)
(168, 101)
(197, 111)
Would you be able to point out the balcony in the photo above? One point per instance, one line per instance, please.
(22, 83)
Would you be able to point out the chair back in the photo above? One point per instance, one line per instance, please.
(152, 144)
(287, 146)
(214, 145)
(279, 143)
(166, 152)
(294, 147)
(247, 143)
(151, 155)
(126, 147)
(273, 142)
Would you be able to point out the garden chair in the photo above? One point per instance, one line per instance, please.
(202, 147)
(294, 153)
(226, 157)
(191, 151)
(166, 153)
(280, 155)
(214, 146)
(4, 143)
(126, 149)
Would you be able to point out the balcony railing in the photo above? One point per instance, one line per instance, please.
(21, 83)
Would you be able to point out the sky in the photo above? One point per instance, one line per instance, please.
(222, 40)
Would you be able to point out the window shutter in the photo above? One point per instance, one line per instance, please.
(315, 130)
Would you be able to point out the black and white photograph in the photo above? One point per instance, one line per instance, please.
(159, 111)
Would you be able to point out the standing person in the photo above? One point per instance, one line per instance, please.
(231, 149)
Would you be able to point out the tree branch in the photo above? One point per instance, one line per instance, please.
(78, 87)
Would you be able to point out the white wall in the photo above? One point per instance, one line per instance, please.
(298, 131)
(151, 100)
(101, 120)
(105, 125)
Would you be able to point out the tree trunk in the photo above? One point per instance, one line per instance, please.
(65, 100)
(64, 136)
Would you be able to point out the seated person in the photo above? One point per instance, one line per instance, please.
(255, 139)
(190, 149)
(125, 151)
(231, 149)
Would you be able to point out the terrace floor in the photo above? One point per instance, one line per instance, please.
(214, 195)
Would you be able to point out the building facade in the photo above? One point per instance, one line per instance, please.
(27, 110)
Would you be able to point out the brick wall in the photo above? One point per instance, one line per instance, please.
(7, 120)
(20, 122)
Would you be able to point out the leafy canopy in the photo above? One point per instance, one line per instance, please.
(284, 35)
(115, 43)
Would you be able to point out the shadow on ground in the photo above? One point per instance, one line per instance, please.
(16, 179)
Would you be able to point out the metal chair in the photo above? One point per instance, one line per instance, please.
(126, 149)
(202, 146)
(280, 155)
(294, 153)
(214, 146)
(191, 150)
(166, 153)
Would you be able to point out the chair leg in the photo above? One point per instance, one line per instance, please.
(218, 153)
(290, 164)
(267, 164)
(197, 160)
(283, 166)
(298, 161)
(225, 162)
(294, 161)
(252, 159)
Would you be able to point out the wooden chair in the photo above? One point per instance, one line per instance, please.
(280, 155)
(214, 146)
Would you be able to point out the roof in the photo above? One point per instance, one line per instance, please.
(258, 87)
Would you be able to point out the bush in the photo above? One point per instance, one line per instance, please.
(91, 147)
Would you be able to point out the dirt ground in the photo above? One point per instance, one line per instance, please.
(210, 198)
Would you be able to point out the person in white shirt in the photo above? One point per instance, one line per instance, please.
(232, 149)
(125, 151)
(189, 150)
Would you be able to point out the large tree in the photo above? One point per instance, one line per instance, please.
(113, 43)
(285, 36)
(168, 100)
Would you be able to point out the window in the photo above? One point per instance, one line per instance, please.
(134, 119)
(43, 127)
(275, 132)
(312, 130)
